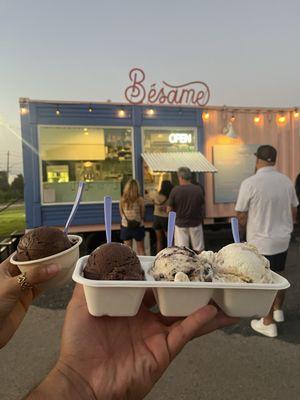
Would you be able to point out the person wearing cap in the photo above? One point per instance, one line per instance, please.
(266, 208)
(187, 200)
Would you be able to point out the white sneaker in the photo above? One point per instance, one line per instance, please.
(267, 330)
(278, 315)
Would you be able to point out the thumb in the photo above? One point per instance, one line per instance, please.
(34, 276)
(181, 333)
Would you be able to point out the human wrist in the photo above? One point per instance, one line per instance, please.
(63, 383)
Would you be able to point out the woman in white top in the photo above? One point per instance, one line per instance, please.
(132, 212)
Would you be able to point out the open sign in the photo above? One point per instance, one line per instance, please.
(182, 138)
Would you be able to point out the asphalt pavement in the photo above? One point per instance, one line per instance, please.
(232, 363)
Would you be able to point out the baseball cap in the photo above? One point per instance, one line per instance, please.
(267, 153)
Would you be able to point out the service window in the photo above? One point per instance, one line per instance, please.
(164, 140)
(100, 156)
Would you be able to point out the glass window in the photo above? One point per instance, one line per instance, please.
(102, 157)
(163, 140)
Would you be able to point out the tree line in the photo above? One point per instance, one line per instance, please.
(13, 191)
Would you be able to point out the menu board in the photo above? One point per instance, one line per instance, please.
(234, 164)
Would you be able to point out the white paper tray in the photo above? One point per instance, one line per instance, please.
(176, 299)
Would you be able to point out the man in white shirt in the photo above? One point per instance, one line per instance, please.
(266, 207)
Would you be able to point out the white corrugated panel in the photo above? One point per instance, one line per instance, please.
(170, 162)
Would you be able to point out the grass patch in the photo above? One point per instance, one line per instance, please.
(12, 219)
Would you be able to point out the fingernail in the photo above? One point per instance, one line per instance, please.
(52, 269)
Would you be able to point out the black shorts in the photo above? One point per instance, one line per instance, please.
(277, 261)
(160, 223)
(128, 234)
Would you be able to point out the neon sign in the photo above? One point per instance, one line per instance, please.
(182, 138)
(194, 93)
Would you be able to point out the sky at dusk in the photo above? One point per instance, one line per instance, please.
(247, 52)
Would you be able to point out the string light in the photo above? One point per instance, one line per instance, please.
(150, 112)
(23, 110)
(281, 119)
(85, 131)
(90, 108)
(205, 115)
(121, 113)
(57, 112)
(258, 118)
(296, 113)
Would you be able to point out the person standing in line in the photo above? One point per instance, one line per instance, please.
(266, 207)
(132, 210)
(187, 200)
(160, 214)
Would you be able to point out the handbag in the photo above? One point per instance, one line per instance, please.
(131, 223)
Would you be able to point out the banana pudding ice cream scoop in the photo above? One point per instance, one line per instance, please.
(241, 262)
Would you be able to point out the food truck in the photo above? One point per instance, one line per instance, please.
(105, 144)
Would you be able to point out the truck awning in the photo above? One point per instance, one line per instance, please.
(170, 162)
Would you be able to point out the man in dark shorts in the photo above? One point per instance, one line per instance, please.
(266, 207)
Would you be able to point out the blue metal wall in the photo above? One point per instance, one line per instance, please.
(44, 113)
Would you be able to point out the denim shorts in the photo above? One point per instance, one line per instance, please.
(137, 233)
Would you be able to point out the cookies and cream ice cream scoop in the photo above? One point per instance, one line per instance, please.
(179, 259)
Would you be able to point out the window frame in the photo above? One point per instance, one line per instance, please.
(39, 126)
(154, 128)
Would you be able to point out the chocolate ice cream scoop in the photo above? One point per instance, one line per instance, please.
(114, 261)
(42, 242)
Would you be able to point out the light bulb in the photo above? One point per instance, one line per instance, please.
(121, 113)
(23, 110)
(282, 119)
(150, 112)
(90, 109)
(205, 116)
(296, 113)
(232, 118)
(57, 112)
(256, 119)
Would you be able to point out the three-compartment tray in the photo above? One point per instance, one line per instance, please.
(176, 299)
